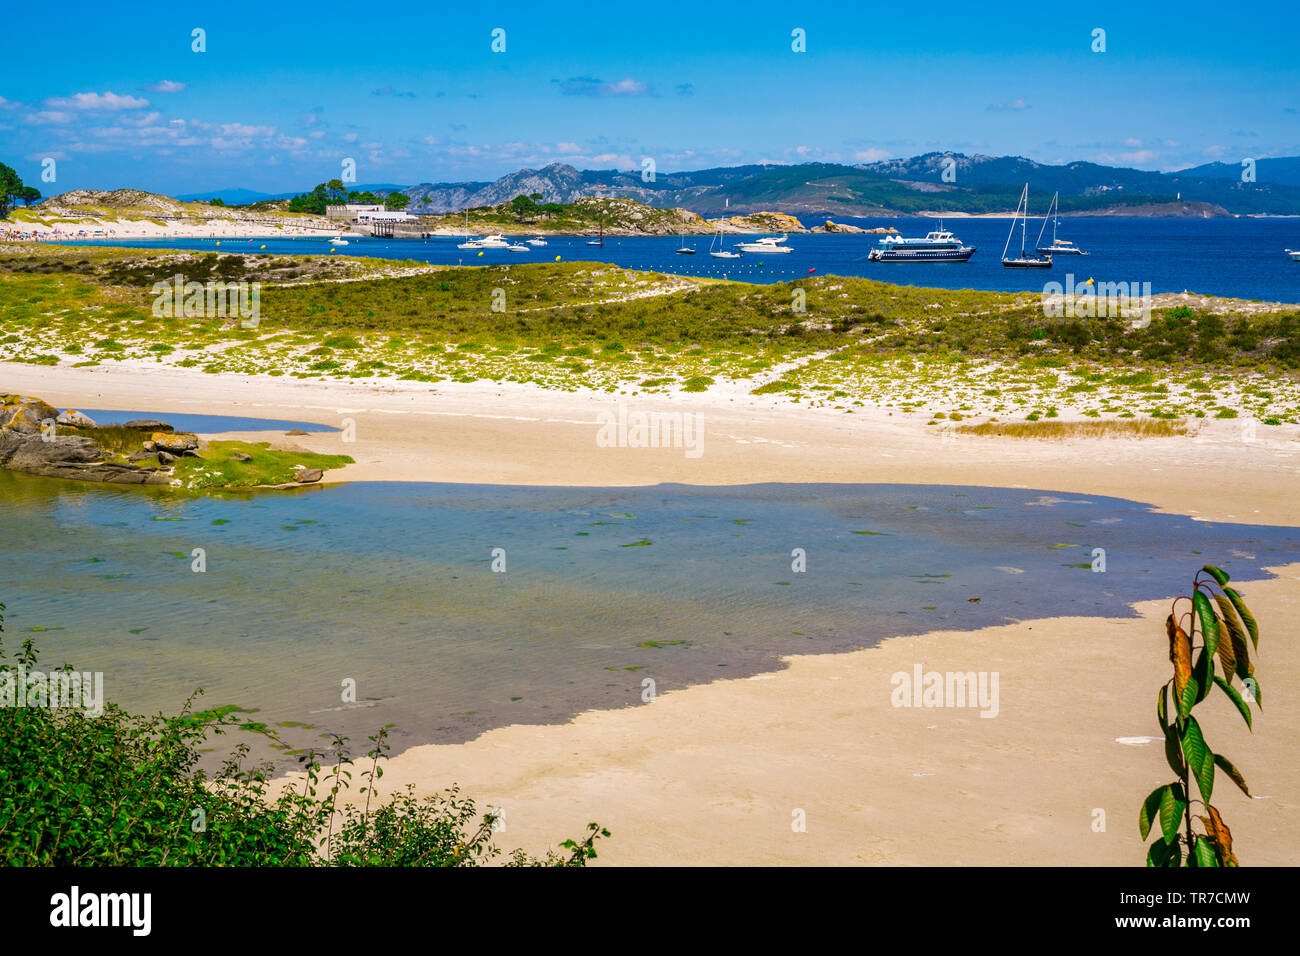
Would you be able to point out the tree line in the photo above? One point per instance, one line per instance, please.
(333, 193)
(12, 191)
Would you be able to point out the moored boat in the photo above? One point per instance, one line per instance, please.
(1023, 261)
(939, 245)
(1294, 254)
(1059, 247)
(721, 253)
(768, 245)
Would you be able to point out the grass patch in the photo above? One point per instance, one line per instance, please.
(1127, 428)
(219, 469)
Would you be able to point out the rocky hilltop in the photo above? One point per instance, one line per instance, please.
(129, 210)
(589, 215)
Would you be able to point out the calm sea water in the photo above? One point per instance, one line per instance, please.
(202, 424)
(1242, 258)
(392, 585)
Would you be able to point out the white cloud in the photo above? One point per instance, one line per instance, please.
(164, 86)
(98, 101)
(591, 86)
(871, 155)
(49, 117)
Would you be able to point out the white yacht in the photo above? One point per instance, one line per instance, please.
(1294, 254)
(721, 253)
(1059, 247)
(338, 241)
(518, 247)
(539, 241)
(769, 245)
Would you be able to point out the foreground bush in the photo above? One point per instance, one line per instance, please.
(121, 789)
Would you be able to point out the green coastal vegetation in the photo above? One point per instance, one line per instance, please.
(124, 789)
(954, 356)
(14, 191)
(335, 193)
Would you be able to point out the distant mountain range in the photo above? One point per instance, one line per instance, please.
(934, 182)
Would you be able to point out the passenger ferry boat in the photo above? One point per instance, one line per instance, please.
(937, 246)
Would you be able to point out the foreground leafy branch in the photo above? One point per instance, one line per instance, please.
(1227, 632)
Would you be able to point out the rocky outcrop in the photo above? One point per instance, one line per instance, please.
(840, 227)
(30, 443)
(174, 443)
(75, 418)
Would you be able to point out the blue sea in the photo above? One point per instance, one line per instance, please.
(1240, 258)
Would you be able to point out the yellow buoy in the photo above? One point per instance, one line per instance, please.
(480, 254)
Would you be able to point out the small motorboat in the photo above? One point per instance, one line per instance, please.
(517, 247)
(1294, 254)
(539, 241)
(338, 241)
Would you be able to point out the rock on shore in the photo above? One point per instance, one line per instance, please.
(28, 444)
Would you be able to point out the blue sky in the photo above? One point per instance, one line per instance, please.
(414, 92)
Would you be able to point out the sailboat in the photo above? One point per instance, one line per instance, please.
(469, 243)
(685, 250)
(1023, 261)
(1059, 247)
(601, 240)
(721, 253)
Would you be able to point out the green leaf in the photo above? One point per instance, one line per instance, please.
(1165, 854)
(1173, 749)
(1221, 576)
(1226, 766)
(1246, 616)
(1191, 694)
(1150, 810)
(1171, 813)
(1200, 759)
(1253, 684)
(1203, 674)
(1209, 623)
(1203, 853)
(1242, 707)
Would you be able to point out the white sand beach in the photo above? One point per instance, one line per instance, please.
(715, 774)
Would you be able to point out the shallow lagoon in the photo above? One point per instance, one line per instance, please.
(391, 585)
